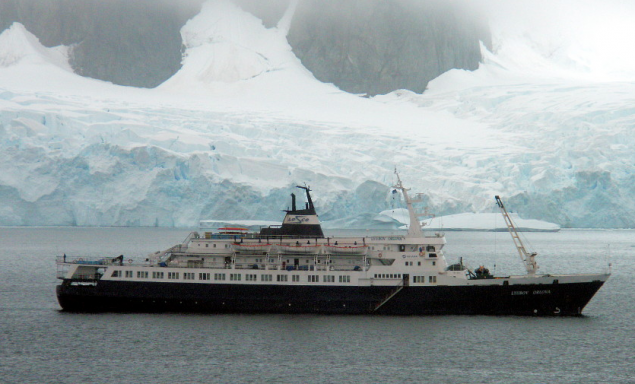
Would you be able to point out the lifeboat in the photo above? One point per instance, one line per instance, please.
(302, 249)
(232, 231)
(254, 248)
(346, 249)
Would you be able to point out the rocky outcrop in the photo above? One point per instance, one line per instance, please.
(135, 43)
(378, 46)
(362, 46)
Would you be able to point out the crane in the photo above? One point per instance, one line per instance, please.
(528, 259)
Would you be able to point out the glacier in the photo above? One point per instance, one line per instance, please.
(243, 122)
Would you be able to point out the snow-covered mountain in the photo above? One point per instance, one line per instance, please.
(243, 121)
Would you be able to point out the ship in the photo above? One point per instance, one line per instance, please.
(293, 268)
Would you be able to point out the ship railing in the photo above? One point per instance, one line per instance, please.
(83, 260)
(289, 268)
(97, 261)
(87, 277)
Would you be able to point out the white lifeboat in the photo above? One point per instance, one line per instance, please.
(252, 248)
(302, 249)
(346, 249)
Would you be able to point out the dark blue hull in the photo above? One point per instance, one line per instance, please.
(115, 296)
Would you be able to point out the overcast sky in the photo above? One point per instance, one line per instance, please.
(599, 35)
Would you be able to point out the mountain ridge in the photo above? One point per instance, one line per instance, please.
(138, 43)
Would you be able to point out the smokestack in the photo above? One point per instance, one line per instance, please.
(292, 202)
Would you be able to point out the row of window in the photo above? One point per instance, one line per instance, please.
(206, 276)
(411, 263)
(214, 245)
(387, 275)
(415, 279)
(422, 279)
(407, 248)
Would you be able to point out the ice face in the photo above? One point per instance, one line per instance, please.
(229, 136)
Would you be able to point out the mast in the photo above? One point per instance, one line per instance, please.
(414, 229)
(308, 197)
(298, 222)
(528, 259)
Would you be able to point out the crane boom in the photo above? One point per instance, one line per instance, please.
(528, 259)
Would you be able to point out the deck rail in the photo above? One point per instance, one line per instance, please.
(108, 262)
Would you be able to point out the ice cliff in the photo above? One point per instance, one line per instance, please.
(243, 121)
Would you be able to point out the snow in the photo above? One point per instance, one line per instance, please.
(242, 122)
(487, 222)
(466, 222)
(20, 47)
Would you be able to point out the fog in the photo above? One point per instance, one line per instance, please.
(586, 38)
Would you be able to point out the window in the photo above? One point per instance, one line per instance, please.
(329, 279)
(418, 279)
(282, 277)
(173, 275)
(142, 274)
(129, 274)
(188, 275)
(295, 278)
(234, 276)
(266, 278)
(204, 276)
(116, 273)
(313, 278)
(345, 279)
(432, 279)
(219, 276)
(250, 277)
(157, 275)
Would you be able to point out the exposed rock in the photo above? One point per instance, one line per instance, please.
(377, 46)
(135, 43)
(361, 46)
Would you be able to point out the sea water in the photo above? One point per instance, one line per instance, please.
(41, 344)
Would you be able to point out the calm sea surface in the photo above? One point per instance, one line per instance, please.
(40, 344)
